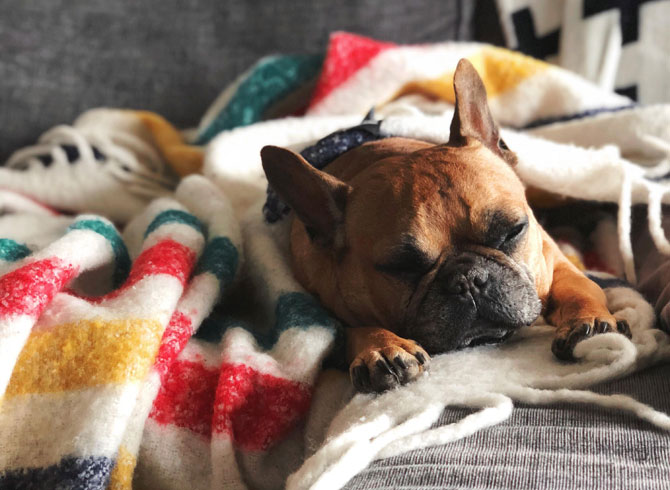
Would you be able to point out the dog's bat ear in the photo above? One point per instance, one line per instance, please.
(317, 198)
(472, 117)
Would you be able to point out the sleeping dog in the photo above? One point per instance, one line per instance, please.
(421, 249)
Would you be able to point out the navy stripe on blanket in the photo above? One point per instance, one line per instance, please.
(91, 473)
(579, 115)
(610, 282)
(660, 178)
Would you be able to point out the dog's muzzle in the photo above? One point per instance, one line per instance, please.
(475, 300)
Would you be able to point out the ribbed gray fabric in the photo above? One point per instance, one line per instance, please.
(546, 448)
(61, 57)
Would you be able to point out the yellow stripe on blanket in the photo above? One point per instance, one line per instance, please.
(184, 159)
(84, 354)
(122, 474)
(500, 70)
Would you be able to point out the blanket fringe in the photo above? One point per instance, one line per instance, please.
(624, 225)
(535, 396)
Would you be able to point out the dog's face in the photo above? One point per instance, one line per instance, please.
(435, 243)
(440, 248)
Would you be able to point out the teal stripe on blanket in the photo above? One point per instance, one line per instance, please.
(215, 325)
(11, 251)
(301, 310)
(174, 216)
(221, 258)
(270, 80)
(121, 256)
(293, 310)
(89, 473)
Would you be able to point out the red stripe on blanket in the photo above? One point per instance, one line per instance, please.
(42, 205)
(166, 257)
(347, 53)
(27, 290)
(186, 397)
(593, 262)
(257, 409)
(174, 339)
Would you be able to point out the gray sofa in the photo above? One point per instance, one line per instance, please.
(558, 447)
(61, 57)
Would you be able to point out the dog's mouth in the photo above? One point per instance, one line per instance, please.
(487, 339)
(485, 332)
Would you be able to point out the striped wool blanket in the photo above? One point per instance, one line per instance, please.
(182, 353)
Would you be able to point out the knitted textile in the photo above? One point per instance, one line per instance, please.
(110, 161)
(119, 365)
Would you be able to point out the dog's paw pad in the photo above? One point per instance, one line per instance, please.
(388, 367)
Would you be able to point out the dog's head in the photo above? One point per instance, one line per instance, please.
(436, 243)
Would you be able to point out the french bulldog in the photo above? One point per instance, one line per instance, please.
(422, 249)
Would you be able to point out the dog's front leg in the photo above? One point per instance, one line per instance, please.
(380, 360)
(577, 306)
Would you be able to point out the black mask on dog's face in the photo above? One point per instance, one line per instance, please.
(475, 297)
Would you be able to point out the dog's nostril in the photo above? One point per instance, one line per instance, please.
(480, 279)
(457, 285)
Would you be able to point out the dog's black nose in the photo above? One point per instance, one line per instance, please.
(466, 281)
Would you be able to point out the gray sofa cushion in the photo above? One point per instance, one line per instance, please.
(555, 447)
(59, 58)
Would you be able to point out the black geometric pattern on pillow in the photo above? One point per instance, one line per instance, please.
(528, 41)
(629, 14)
(630, 91)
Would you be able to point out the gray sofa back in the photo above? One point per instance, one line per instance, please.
(61, 57)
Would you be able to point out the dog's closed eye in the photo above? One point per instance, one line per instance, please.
(504, 232)
(406, 261)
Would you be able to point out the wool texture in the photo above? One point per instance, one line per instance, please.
(109, 161)
(183, 353)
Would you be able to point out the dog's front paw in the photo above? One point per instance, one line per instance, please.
(572, 332)
(383, 368)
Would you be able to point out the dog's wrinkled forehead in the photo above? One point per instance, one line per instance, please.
(438, 193)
